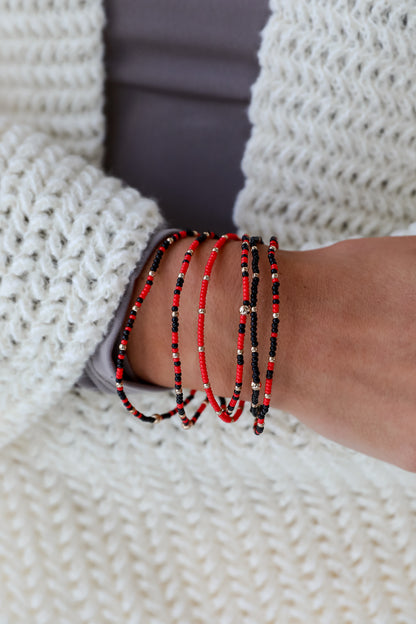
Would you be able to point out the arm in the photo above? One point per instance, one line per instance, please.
(346, 359)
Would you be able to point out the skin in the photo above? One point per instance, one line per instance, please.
(346, 355)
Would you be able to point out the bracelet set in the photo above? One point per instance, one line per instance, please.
(248, 307)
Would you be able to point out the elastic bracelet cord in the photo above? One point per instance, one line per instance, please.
(256, 383)
(258, 425)
(129, 325)
(222, 412)
(186, 422)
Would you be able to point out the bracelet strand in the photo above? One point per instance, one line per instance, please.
(258, 426)
(222, 412)
(186, 422)
(256, 383)
(128, 328)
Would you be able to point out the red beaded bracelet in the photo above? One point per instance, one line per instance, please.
(258, 426)
(220, 410)
(186, 423)
(127, 331)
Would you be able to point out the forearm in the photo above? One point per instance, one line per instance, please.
(149, 348)
(345, 352)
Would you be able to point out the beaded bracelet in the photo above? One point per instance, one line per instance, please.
(220, 410)
(256, 383)
(127, 331)
(258, 426)
(186, 423)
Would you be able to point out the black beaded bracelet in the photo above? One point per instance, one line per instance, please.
(256, 383)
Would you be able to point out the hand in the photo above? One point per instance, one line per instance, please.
(347, 349)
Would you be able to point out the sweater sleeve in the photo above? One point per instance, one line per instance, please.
(100, 370)
(70, 237)
(410, 230)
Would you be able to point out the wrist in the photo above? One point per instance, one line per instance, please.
(149, 348)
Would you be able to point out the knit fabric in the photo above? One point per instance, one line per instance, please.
(70, 238)
(51, 70)
(107, 520)
(332, 150)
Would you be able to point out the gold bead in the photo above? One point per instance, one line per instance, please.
(181, 275)
(119, 385)
(272, 359)
(187, 426)
(275, 275)
(157, 418)
(276, 315)
(201, 349)
(254, 309)
(240, 352)
(207, 385)
(201, 311)
(135, 308)
(206, 277)
(254, 349)
(175, 313)
(267, 396)
(123, 347)
(245, 309)
(256, 274)
(171, 240)
(255, 386)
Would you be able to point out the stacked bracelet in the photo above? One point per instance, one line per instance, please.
(249, 306)
(127, 331)
(224, 413)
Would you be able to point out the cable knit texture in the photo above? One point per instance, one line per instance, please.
(106, 520)
(70, 239)
(332, 151)
(51, 70)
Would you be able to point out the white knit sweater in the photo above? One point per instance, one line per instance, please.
(102, 518)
